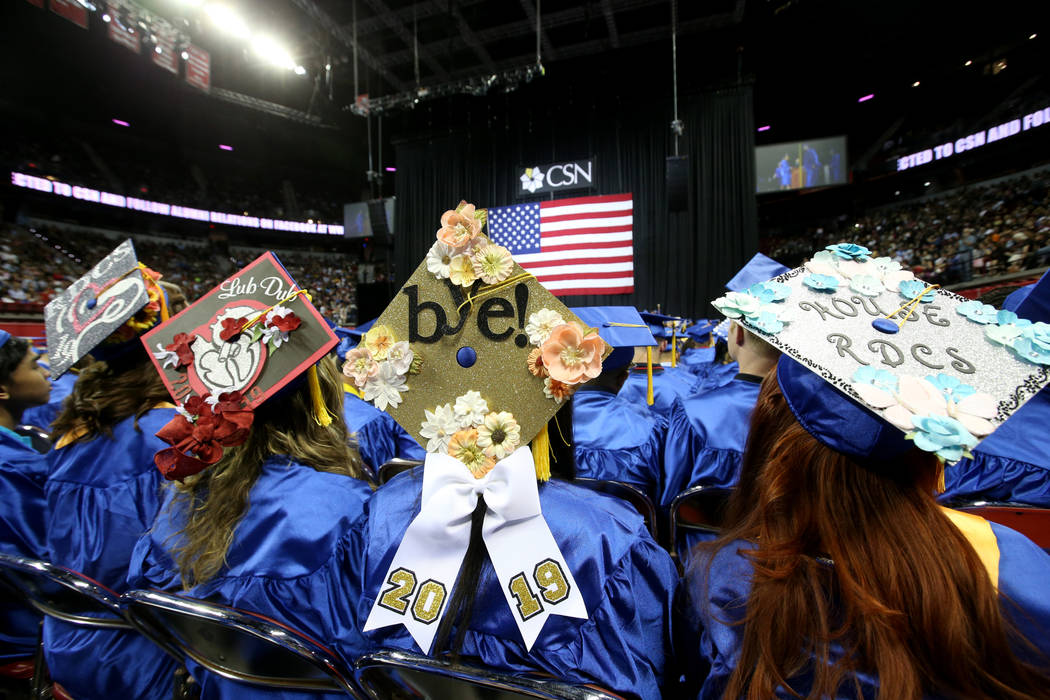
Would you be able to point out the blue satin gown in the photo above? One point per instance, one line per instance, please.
(669, 383)
(697, 360)
(1024, 570)
(617, 440)
(23, 532)
(379, 437)
(289, 554)
(626, 580)
(713, 376)
(102, 495)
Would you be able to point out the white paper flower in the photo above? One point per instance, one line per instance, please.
(541, 324)
(181, 410)
(737, 305)
(975, 412)
(499, 435)
(274, 335)
(400, 356)
(167, 358)
(471, 409)
(439, 258)
(211, 399)
(438, 427)
(384, 389)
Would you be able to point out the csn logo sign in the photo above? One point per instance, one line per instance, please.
(574, 175)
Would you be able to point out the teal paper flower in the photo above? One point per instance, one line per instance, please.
(978, 312)
(768, 292)
(849, 251)
(952, 388)
(1004, 334)
(868, 285)
(910, 289)
(1004, 317)
(880, 378)
(737, 305)
(1033, 344)
(943, 435)
(766, 321)
(821, 283)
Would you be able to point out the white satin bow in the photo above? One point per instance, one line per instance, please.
(529, 566)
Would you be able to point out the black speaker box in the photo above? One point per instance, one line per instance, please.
(677, 183)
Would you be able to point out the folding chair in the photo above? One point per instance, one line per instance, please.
(624, 492)
(238, 644)
(399, 674)
(699, 511)
(1031, 521)
(394, 467)
(39, 437)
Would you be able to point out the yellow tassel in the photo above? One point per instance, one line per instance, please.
(321, 415)
(351, 389)
(674, 346)
(940, 477)
(541, 454)
(649, 375)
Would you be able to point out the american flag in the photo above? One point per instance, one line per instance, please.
(573, 246)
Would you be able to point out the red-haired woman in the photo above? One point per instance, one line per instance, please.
(839, 575)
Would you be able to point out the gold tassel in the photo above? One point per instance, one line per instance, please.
(674, 345)
(351, 389)
(940, 476)
(541, 454)
(321, 415)
(649, 375)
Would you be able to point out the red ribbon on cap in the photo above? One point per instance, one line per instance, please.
(199, 443)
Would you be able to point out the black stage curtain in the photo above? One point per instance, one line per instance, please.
(682, 259)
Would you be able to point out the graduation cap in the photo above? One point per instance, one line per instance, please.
(228, 353)
(758, 269)
(621, 327)
(701, 330)
(104, 311)
(660, 325)
(1031, 301)
(721, 331)
(472, 340)
(4, 337)
(876, 361)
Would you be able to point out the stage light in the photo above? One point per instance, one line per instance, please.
(272, 52)
(106, 18)
(915, 84)
(968, 63)
(120, 122)
(225, 147)
(1032, 35)
(764, 128)
(390, 169)
(158, 49)
(299, 70)
(926, 184)
(185, 55)
(229, 21)
(867, 97)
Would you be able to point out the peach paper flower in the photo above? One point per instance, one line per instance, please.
(379, 340)
(463, 445)
(492, 263)
(553, 389)
(572, 357)
(458, 228)
(360, 366)
(535, 363)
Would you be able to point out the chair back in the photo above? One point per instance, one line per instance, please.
(699, 509)
(38, 436)
(1030, 521)
(237, 644)
(625, 492)
(394, 467)
(398, 674)
(62, 593)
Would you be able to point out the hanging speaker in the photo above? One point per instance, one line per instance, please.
(677, 172)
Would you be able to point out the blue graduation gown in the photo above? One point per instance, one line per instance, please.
(288, 554)
(626, 580)
(617, 440)
(706, 436)
(697, 359)
(379, 437)
(713, 376)
(669, 383)
(23, 532)
(43, 416)
(101, 496)
(1011, 464)
(1023, 572)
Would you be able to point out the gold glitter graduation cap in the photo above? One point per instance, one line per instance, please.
(473, 356)
(944, 369)
(227, 354)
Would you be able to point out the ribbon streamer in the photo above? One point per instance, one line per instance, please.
(529, 566)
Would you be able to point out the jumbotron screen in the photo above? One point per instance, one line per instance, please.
(796, 165)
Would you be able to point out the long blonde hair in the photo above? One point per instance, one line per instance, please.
(216, 499)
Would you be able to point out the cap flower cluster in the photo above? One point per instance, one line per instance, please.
(468, 431)
(565, 354)
(203, 427)
(379, 367)
(462, 254)
(760, 306)
(1028, 341)
(852, 265)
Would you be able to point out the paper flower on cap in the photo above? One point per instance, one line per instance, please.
(555, 390)
(572, 356)
(849, 251)
(279, 322)
(459, 227)
(952, 388)
(464, 446)
(769, 292)
(360, 366)
(231, 328)
(945, 436)
(499, 435)
(978, 312)
(876, 387)
(909, 289)
(1033, 344)
(766, 321)
(535, 363)
(439, 258)
(471, 409)
(384, 388)
(541, 324)
(821, 283)
(461, 270)
(492, 263)
(737, 305)
(177, 353)
(438, 428)
(868, 285)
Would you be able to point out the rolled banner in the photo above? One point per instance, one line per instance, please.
(531, 570)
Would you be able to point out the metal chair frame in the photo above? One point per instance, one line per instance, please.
(625, 492)
(525, 686)
(141, 607)
(680, 500)
(394, 467)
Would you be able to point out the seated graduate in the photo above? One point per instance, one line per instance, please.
(44, 415)
(838, 575)
(699, 351)
(102, 489)
(722, 367)
(23, 472)
(262, 503)
(659, 386)
(480, 553)
(1013, 463)
(378, 437)
(707, 432)
(613, 438)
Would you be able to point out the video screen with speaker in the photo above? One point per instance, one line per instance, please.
(797, 165)
(366, 219)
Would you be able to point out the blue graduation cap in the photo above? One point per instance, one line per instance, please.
(656, 322)
(349, 338)
(758, 269)
(366, 326)
(622, 327)
(1031, 301)
(701, 330)
(4, 337)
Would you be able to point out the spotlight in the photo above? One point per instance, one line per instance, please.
(225, 147)
(926, 184)
(106, 18)
(915, 84)
(227, 20)
(1032, 35)
(299, 70)
(158, 49)
(968, 63)
(185, 55)
(120, 122)
(764, 128)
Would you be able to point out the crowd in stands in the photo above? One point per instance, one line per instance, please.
(974, 231)
(38, 263)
